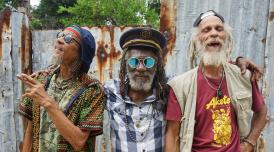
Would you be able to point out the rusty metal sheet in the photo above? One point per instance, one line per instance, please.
(168, 24)
(268, 89)
(15, 58)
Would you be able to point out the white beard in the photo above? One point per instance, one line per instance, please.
(138, 84)
(210, 58)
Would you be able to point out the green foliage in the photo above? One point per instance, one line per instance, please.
(45, 16)
(13, 3)
(112, 12)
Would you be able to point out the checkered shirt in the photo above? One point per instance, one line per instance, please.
(134, 128)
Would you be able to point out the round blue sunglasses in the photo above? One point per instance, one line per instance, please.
(148, 62)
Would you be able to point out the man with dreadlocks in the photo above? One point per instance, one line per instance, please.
(209, 106)
(136, 103)
(64, 108)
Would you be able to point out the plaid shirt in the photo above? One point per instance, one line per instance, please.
(134, 128)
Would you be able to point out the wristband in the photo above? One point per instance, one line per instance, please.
(249, 142)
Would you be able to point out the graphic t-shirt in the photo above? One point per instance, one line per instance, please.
(216, 124)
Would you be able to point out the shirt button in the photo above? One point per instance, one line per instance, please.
(140, 107)
(142, 134)
(141, 118)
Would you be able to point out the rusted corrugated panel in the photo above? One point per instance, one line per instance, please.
(167, 23)
(21, 58)
(15, 58)
(4, 23)
(269, 77)
(7, 124)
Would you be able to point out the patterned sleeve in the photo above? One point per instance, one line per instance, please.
(25, 108)
(91, 113)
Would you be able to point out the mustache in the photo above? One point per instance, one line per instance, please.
(214, 40)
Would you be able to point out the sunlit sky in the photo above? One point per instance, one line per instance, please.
(34, 2)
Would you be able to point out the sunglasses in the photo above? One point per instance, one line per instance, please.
(148, 62)
(67, 37)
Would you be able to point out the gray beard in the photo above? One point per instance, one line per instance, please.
(138, 84)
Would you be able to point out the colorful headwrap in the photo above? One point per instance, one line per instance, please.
(75, 30)
(88, 45)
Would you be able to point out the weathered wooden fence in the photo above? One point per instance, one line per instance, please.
(251, 20)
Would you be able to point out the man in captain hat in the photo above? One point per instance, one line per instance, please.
(136, 102)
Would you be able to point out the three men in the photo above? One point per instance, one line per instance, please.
(208, 107)
(64, 109)
(136, 102)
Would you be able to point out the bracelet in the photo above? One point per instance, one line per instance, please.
(249, 142)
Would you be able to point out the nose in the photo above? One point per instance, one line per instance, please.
(60, 40)
(214, 33)
(140, 67)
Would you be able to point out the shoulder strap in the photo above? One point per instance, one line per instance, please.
(80, 91)
(47, 82)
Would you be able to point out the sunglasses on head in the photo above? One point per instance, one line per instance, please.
(67, 37)
(148, 62)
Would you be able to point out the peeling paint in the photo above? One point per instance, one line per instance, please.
(167, 24)
(106, 53)
(4, 24)
(25, 50)
(114, 55)
(271, 16)
(101, 57)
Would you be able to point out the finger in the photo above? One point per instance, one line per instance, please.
(243, 69)
(258, 76)
(28, 95)
(253, 77)
(24, 80)
(34, 75)
(29, 79)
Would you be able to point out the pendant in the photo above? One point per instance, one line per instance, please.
(138, 124)
(219, 93)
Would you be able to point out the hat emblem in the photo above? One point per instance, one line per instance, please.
(146, 34)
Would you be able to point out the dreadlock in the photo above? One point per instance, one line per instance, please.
(159, 82)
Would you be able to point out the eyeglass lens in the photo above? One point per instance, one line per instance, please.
(148, 62)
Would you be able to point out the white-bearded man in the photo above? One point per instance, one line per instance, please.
(208, 106)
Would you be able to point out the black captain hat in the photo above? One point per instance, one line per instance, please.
(143, 36)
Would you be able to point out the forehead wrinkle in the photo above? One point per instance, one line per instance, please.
(210, 20)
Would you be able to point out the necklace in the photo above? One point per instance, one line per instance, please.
(144, 134)
(219, 92)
